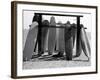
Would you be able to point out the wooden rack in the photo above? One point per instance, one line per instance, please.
(66, 15)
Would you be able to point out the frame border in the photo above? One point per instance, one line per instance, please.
(14, 38)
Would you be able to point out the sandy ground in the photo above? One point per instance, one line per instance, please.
(54, 64)
(39, 64)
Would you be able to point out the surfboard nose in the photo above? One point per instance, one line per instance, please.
(36, 18)
(45, 23)
(67, 24)
(52, 21)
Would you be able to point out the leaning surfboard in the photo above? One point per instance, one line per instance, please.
(30, 41)
(85, 42)
(52, 36)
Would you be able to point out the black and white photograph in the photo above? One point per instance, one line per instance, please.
(55, 39)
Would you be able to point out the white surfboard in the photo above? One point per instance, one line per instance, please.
(60, 38)
(85, 43)
(44, 34)
(52, 36)
(30, 41)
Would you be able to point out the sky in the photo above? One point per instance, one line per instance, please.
(28, 16)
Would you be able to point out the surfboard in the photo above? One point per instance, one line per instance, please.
(60, 38)
(44, 34)
(52, 36)
(30, 41)
(68, 41)
(85, 42)
(74, 32)
(78, 45)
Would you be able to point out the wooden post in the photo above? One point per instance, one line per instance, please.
(39, 33)
(78, 46)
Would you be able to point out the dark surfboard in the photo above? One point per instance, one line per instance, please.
(68, 41)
